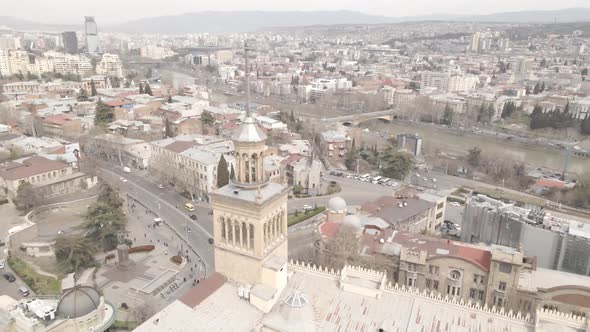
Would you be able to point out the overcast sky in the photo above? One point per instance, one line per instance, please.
(107, 11)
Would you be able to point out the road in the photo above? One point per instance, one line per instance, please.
(164, 202)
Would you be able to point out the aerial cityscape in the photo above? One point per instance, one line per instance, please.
(281, 166)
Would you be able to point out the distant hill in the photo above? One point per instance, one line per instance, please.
(242, 21)
(26, 25)
(542, 16)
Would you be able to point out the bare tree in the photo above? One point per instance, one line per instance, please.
(143, 312)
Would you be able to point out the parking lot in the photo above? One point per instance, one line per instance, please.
(378, 180)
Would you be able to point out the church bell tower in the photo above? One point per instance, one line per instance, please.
(250, 217)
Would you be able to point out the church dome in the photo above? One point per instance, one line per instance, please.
(352, 220)
(249, 132)
(78, 302)
(337, 205)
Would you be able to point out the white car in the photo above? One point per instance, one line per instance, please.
(1, 263)
(455, 204)
(433, 179)
(161, 186)
(307, 207)
(123, 179)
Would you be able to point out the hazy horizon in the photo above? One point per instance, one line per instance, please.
(115, 11)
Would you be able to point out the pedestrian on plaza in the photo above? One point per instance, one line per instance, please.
(144, 235)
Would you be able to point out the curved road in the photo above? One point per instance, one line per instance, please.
(163, 202)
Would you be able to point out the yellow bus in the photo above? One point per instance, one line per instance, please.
(189, 207)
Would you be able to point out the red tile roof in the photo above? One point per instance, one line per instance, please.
(29, 167)
(550, 183)
(58, 119)
(202, 290)
(435, 247)
(117, 103)
(180, 146)
(328, 229)
(293, 158)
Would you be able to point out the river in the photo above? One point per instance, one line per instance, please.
(459, 142)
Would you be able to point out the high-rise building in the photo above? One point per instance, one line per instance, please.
(70, 41)
(474, 44)
(91, 30)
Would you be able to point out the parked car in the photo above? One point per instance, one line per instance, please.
(193, 216)
(9, 276)
(210, 241)
(161, 186)
(455, 204)
(126, 169)
(123, 179)
(307, 207)
(24, 291)
(1, 263)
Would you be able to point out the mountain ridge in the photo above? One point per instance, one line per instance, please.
(248, 21)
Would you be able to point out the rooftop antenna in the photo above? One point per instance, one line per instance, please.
(247, 71)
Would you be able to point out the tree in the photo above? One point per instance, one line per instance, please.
(168, 129)
(508, 109)
(232, 175)
(585, 72)
(170, 101)
(103, 114)
(448, 115)
(343, 248)
(292, 117)
(297, 189)
(585, 126)
(148, 89)
(83, 96)
(93, 91)
(396, 164)
(27, 198)
(74, 252)
(207, 118)
(537, 89)
(105, 219)
(141, 91)
(542, 87)
(474, 156)
(222, 173)
(149, 73)
(351, 156)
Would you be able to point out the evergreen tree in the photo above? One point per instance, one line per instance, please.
(292, 117)
(448, 115)
(543, 63)
(170, 100)
(537, 89)
(223, 175)
(585, 72)
(232, 175)
(528, 90)
(536, 120)
(148, 89)
(141, 92)
(169, 132)
(93, 91)
(103, 114)
(543, 87)
(585, 126)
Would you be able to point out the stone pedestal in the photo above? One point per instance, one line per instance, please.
(123, 255)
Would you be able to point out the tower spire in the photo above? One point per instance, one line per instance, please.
(247, 71)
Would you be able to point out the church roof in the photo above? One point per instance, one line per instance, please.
(249, 132)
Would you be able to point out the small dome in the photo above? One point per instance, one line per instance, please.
(337, 204)
(249, 132)
(296, 300)
(78, 302)
(352, 220)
